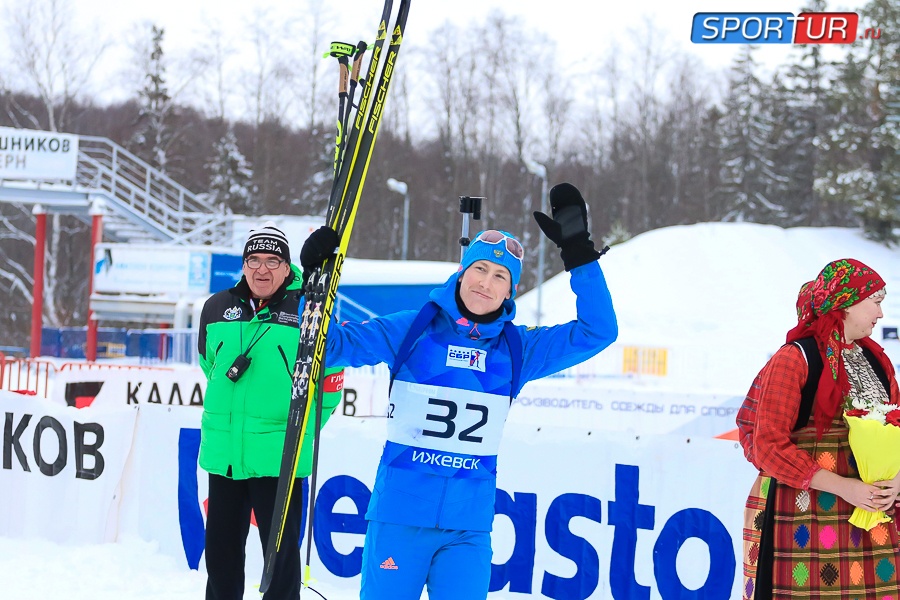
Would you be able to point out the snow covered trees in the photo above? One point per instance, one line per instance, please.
(860, 165)
(156, 134)
(230, 181)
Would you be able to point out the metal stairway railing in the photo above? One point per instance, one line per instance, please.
(144, 203)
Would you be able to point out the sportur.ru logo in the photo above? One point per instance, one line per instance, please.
(778, 28)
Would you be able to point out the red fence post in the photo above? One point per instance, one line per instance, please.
(96, 237)
(37, 305)
(163, 343)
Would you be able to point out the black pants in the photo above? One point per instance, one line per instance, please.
(227, 526)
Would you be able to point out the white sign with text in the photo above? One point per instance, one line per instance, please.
(29, 154)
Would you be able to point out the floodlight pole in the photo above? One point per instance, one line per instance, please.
(401, 188)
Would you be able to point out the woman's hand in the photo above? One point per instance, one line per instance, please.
(887, 493)
(867, 496)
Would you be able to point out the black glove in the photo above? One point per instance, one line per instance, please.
(318, 247)
(568, 228)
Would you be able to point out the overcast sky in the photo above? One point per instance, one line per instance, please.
(585, 32)
(579, 26)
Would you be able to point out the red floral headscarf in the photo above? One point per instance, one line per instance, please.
(841, 284)
(804, 302)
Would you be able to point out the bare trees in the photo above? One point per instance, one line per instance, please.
(51, 58)
(16, 249)
(53, 62)
(499, 97)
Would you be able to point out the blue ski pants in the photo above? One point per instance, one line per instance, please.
(398, 561)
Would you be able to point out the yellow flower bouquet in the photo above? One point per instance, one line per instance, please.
(875, 441)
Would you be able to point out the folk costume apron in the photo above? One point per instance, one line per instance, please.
(799, 544)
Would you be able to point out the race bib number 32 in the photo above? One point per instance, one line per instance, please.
(446, 419)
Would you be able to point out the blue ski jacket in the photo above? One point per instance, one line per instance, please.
(451, 396)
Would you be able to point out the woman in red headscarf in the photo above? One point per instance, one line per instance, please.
(797, 540)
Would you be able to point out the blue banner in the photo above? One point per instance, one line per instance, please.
(225, 272)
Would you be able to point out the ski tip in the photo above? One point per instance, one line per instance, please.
(265, 581)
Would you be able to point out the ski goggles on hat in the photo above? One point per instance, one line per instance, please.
(493, 236)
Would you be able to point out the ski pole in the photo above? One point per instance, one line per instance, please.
(361, 48)
(311, 503)
(342, 51)
(468, 205)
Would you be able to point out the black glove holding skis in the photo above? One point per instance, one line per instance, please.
(318, 247)
(568, 228)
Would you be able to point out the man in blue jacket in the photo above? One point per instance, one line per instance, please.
(456, 366)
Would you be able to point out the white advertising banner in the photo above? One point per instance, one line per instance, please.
(568, 402)
(62, 469)
(600, 515)
(127, 268)
(558, 402)
(581, 513)
(579, 516)
(29, 154)
(619, 516)
(124, 387)
(158, 505)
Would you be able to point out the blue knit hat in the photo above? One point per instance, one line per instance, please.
(496, 253)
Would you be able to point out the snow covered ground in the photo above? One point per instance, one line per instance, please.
(36, 569)
(131, 569)
(728, 288)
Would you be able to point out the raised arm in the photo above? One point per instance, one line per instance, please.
(551, 349)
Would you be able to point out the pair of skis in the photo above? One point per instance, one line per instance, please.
(352, 159)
